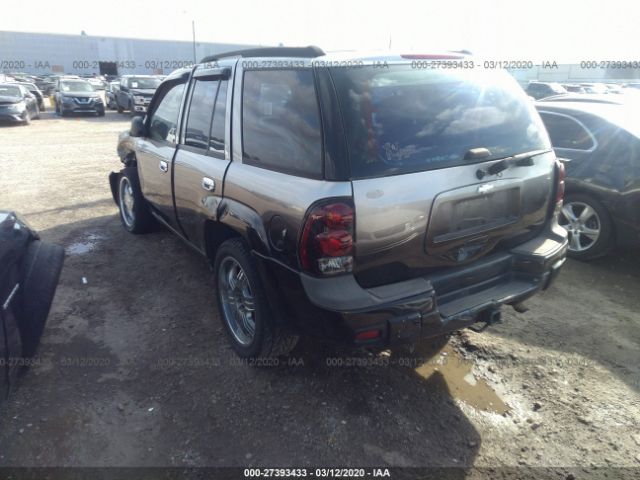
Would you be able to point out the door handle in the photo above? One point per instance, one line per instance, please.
(208, 184)
(164, 166)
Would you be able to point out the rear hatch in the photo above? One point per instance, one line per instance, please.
(447, 166)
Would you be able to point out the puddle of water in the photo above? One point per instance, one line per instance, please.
(461, 382)
(81, 248)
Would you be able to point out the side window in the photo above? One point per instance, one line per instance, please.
(164, 119)
(565, 132)
(281, 121)
(200, 111)
(216, 140)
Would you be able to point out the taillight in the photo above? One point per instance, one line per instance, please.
(326, 244)
(560, 186)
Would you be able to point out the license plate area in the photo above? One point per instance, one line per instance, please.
(467, 213)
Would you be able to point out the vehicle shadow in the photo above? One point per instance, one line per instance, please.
(145, 307)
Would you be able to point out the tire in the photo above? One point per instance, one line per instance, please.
(101, 113)
(37, 117)
(269, 338)
(27, 118)
(119, 108)
(41, 268)
(588, 245)
(134, 211)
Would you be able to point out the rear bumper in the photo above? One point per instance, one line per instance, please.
(431, 305)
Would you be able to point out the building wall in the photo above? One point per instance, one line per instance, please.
(41, 53)
(576, 73)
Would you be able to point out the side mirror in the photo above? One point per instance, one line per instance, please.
(138, 128)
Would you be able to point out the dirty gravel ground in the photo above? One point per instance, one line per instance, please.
(134, 370)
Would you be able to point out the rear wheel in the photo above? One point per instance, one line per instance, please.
(134, 212)
(27, 117)
(246, 316)
(40, 273)
(119, 108)
(37, 116)
(589, 226)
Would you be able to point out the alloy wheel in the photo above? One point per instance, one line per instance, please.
(583, 224)
(237, 300)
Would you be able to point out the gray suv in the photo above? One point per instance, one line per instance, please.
(367, 200)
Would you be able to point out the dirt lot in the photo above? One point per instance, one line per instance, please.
(134, 369)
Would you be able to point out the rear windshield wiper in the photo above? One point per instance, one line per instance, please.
(520, 160)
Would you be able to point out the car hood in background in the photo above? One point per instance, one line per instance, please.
(142, 91)
(81, 94)
(4, 100)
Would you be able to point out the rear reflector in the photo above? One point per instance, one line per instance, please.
(367, 335)
(560, 186)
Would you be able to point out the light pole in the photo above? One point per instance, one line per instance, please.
(193, 30)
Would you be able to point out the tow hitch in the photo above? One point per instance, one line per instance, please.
(488, 317)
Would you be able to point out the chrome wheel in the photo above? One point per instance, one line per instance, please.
(126, 202)
(583, 224)
(237, 301)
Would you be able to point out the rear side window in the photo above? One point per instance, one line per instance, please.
(565, 132)
(281, 121)
(164, 119)
(401, 120)
(200, 111)
(216, 139)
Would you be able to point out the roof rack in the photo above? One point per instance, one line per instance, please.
(305, 52)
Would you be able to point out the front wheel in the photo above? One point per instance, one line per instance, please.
(250, 326)
(589, 226)
(134, 212)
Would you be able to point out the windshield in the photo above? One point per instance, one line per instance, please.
(10, 91)
(401, 120)
(138, 82)
(76, 87)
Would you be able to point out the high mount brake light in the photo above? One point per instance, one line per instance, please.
(326, 244)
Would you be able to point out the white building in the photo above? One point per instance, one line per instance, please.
(43, 53)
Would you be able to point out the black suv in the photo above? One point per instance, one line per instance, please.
(367, 200)
(540, 90)
(135, 93)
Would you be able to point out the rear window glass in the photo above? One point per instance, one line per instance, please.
(281, 121)
(400, 119)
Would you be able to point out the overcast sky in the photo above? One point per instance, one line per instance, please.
(564, 30)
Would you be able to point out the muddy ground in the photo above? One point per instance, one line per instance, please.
(134, 370)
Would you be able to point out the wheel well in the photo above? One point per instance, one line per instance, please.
(216, 234)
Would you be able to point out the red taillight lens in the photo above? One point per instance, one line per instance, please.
(326, 244)
(560, 187)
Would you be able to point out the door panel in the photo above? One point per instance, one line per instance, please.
(156, 152)
(202, 158)
(198, 191)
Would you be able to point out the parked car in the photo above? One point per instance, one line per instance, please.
(586, 98)
(601, 142)
(366, 205)
(573, 88)
(599, 88)
(540, 90)
(33, 89)
(135, 93)
(17, 104)
(29, 272)
(77, 96)
(110, 94)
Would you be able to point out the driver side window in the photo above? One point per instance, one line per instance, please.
(164, 120)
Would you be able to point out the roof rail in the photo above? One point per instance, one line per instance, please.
(305, 52)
